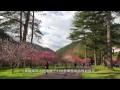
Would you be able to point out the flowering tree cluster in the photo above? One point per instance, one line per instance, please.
(23, 54)
(76, 59)
(116, 61)
(86, 61)
(41, 57)
(13, 54)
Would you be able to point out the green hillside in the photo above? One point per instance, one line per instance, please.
(71, 46)
(75, 48)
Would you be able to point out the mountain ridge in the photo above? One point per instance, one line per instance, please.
(4, 35)
(39, 47)
(74, 49)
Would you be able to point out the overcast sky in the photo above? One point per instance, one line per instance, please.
(56, 28)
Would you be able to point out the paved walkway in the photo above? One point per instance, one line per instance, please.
(60, 75)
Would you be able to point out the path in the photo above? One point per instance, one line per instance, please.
(60, 75)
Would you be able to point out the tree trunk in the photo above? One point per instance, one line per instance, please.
(22, 64)
(32, 28)
(101, 57)
(85, 53)
(18, 65)
(30, 64)
(95, 52)
(66, 65)
(109, 47)
(53, 66)
(85, 48)
(12, 69)
(21, 26)
(26, 26)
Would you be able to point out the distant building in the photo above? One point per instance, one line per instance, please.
(114, 49)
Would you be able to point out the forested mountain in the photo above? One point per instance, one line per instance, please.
(75, 48)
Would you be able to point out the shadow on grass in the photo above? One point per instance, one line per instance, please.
(17, 77)
(3, 77)
(4, 68)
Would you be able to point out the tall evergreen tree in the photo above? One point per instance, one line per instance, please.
(19, 22)
(99, 26)
(32, 28)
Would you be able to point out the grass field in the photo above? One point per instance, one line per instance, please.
(102, 72)
(19, 73)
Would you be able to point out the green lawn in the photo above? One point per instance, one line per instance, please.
(19, 73)
(102, 72)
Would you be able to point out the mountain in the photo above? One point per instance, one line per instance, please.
(4, 35)
(38, 47)
(75, 48)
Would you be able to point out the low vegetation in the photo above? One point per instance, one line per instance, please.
(102, 72)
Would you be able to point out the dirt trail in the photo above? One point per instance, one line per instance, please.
(60, 75)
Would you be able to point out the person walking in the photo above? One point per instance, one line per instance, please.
(75, 64)
(46, 66)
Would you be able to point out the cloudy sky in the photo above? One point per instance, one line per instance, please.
(56, 28)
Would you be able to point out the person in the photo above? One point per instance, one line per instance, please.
(75, 65)
(89, 64)
(83, 64)
(46, 66)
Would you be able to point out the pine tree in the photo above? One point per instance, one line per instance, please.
(99, 25)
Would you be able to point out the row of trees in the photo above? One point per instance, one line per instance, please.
(97, 31)
(22, 54)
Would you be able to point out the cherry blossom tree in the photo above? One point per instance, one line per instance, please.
(25, 54)
(8, 53)
(15, 53)
(41, 57)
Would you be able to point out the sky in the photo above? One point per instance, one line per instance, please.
(56, 28)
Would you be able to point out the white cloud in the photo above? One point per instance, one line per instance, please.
(55, 27)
